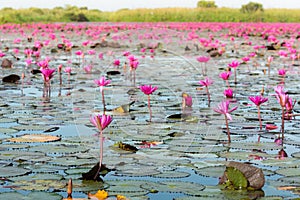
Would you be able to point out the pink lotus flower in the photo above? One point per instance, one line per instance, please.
(282, 99)
(148, 89)
(101, 121)
(252, 54)
(187, 100)
(79, 53)
(28, 52)
(282, 53)
(234, 64)
(116, 62)
(245, 59)
(91, 52)
(102, 82)
(100, 55)
(2, 54)
(223, 108)
(258, 100)
(203, 59)
(270, 59)
(126, 53)
(206, 82)
(88, 68)
(68, 70)
(228, 93)
(47, 74)
(225, 75)
(281, 72)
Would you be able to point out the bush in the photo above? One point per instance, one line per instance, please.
(206, 4)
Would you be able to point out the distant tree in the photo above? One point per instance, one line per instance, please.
(206, 4)
(252, 7)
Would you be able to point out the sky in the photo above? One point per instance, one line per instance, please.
(113, 5)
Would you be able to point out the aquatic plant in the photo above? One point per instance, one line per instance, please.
(148, 90)
(206, 82)
(100, 122)
(101, 83)
(223, 108)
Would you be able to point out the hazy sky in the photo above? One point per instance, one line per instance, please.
(112, 5)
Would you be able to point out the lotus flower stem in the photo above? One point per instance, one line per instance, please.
(227, 128)
(103, 101)
(149, 107)
(259, 117)
(282, 122)
(235, 81)
(101, 154)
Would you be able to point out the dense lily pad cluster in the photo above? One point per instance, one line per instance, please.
(47, 138)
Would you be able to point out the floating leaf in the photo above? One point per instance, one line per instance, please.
(189, 188)
(172, 174)
(35, 138)
(12, 171)
(236, 178)
(289, 171)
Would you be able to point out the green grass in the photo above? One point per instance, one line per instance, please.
(73, 13)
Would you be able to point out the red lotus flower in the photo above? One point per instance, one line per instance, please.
(258, 100)
(47, 74)
(223, 108)
(228, 93)
(101, 121)
(206, 82)
(234, 64)
(203, 59)
(148, 89)
(225, 75)
(102, 81)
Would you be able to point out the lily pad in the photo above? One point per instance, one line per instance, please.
(172, 174)
(8, 171)
(28, 138)
(289, 171)
(59, 148)
(189, 188)
(212, 171)
(236, 178)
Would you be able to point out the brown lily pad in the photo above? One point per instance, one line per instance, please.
(35, 138)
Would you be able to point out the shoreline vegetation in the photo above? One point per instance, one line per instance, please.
(83, 14)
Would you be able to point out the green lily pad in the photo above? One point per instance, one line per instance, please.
(7, 120)
(13, 171)
(88, 186)
(189, 188)
(39, 185)
(39, 176)
(172, 174)
(57, 148)
(42, 195)
(70, 161)
(290, 180)
(8, 130)
(236, 178)
(125, 187)
(289, 171)
(212, 171)
(254, 145)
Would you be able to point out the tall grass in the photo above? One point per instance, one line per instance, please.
(73, 13)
